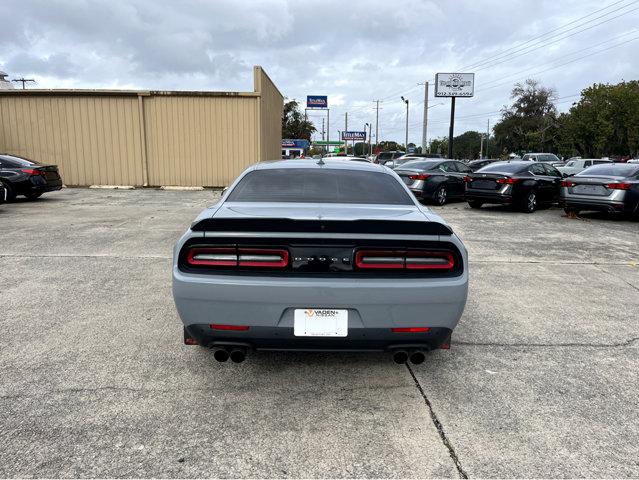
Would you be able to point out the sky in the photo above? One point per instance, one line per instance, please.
(355, 52)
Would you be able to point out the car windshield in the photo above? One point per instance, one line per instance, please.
(315, 185)
(610, 170)
(503, 167)
(420, 165)
(385, 156)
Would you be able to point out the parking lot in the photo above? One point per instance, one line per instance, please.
(541, 380)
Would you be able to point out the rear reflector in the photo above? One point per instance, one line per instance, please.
(411, 259)
(236, 328)
(507, 181)
(409, 329)
(618, 186)
(237, 257)
(567, 183)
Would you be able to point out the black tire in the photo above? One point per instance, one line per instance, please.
(571, 211)
(10, 195)
(529, 205)
(475, 204)
(33, 196)
(441, 195)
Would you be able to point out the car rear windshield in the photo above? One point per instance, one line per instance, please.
(420, 165)
(503, 168)
(315, 185)
(385, 156)
(12, 161)
(610, 170)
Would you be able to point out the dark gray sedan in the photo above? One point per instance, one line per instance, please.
(607, 188)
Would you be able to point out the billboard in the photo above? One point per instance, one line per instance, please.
(354, 136)
(316, 101)
(454, 84)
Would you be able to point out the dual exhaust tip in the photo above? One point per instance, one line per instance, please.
(237, 355)
(416, 357)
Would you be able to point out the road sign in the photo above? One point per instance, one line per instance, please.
(454, 84)
(354, 136)
(316, 101)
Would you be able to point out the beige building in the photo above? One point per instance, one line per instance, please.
(114, 137)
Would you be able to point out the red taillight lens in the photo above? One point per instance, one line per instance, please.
(212, 256)
(404, 259)
(274, 258)
(618, 186)
(30, 171)
(421, 176)
(236, 328)
(567, 183)
(468, 179)
(409, 329)
(237, 257)
(507, 181)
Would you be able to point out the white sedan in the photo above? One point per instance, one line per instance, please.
(577, 165)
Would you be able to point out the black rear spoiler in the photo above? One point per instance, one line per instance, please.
(381, 227)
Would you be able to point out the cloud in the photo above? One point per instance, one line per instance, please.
(355, 52)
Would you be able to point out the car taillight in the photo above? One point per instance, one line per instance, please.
(409, 329)
(618, 186)
(421, 176)
(31, 171)
(237, 257)
(507, 181)
(404, 259)
(468, 179)
(567, 183)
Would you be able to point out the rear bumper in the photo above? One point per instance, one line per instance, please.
(597, 205)
(267, 306)
(282, 338)
(489, 197)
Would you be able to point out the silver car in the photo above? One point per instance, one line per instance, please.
(319, 255)
(612, 187)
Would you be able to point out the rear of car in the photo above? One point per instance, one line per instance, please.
(541, 157)
(573, 167)
(323, 257)
(435, 181)
(610, 187)
(22, 176)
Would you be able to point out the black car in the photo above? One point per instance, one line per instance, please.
(481, 163)
(3, 193)
(434, 181)
(22, 176)
(522, 184)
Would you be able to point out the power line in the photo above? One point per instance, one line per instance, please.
(518, 48)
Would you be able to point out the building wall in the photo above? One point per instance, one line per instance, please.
(144, 138)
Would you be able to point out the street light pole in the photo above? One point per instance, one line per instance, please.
(405, 100)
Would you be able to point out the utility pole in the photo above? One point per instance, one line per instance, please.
(344, 134)
(328, 127)
(377, 123)
(425, 126)
(323, 129)
(487, 135)
(405, 100)
(23, 80)
(481, 146)
(370, 146)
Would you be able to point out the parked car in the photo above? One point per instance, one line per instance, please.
(3, 193)
(633, 160)
(613, 187)
(22, 176)
(384, 157)
(541, 157)
(328, 255)
(575, 166)
(520, 183)
(435, 181)
(481, 163)
(422, 155)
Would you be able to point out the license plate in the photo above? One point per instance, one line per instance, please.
(590, 189)
(320, 322)
(486, 184)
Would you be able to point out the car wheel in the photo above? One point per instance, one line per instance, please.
(475, 204)
(571, 211)
(10, 196)
(530, 202)
(33, 196)
(441, 195)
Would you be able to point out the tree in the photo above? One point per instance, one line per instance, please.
(294, 125)
(530, 123)
(465, 145)
(604, 122)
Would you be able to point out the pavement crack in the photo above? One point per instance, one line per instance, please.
(627, 343)
(439, 426)
(615, 276)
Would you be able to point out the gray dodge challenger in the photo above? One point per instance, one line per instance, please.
(319, 255)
